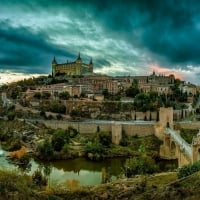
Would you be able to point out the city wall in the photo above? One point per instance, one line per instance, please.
(140, 130)
(188, 125)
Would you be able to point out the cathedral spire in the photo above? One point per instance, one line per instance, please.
(54, 60)
(79, 58)
(91, 63)
(79, 55)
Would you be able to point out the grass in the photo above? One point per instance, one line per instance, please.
(162, 179)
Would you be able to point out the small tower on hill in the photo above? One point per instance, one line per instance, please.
(54, 63)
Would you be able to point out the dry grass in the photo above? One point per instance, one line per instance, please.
(19, 153)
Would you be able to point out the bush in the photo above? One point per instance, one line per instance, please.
(65, 149)
(72, 132)
(38, 179)
(45, 150)
(59, 138)
(105, 139)
(57, 108)
(188, 169)
(64, 95)
(94, 150)
(13, 183)
(11, 116)
(140, 165)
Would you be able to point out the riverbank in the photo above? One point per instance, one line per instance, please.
(157, 186)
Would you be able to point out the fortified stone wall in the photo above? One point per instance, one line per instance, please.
(90, 128)
(140, 130)
(188, 125)
(182, 114)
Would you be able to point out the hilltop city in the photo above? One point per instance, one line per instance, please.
(75, 114)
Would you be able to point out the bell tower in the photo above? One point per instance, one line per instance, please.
(91, 66)
(54, 63)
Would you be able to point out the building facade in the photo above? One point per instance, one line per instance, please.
(78, 67)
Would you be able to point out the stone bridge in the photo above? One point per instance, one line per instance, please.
(174, 146)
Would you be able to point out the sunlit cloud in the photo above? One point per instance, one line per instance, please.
(9, 76)
(165, 71)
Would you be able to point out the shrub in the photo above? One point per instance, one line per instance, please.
(59, 138)
(105, 139)
(188, 169)
(64, 95)
(94, 150)
(11, 116)
(45, 150)
(72, 132)
(57, 107)
(140, 165)
(13, 183)
(38, 179)
(65, 148)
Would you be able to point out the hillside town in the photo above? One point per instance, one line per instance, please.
(74, 90)
(75, 113)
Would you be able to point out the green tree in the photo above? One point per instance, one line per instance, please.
(59, 138)
(187, 170)
(45, 150)
(57, 107)
(37, 95)
(140, 165)
(64, 95)
(11, 116)
(105, 139)
(46, 95)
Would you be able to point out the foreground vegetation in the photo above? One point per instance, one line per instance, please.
(15, 185)
(157, 186)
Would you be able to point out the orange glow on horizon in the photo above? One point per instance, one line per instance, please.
(162, 70)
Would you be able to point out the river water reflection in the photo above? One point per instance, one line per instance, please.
(84, 171)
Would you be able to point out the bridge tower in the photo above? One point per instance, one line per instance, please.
(116, 133)
(166, 117)
(196, 148)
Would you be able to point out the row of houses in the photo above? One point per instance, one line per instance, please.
(96, 84)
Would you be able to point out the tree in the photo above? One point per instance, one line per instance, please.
(59, 138)
(106, 93)
(11, 115)
(37, 95)
(140, 165)
(45, 150)
(46, 95)
(64, 95)
(105, 139)
(57, 107)
(143, 102)
(133, 90)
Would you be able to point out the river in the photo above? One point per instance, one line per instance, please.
(84, 171)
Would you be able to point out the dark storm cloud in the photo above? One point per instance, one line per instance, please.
(165, 28)
(170, 29)
(164, 32)
(31, 52)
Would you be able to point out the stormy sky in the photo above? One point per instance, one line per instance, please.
(124, 37)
